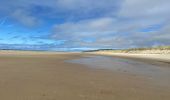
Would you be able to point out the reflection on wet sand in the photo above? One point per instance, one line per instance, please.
(156, 72)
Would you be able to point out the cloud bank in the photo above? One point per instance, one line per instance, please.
(131, 26)
(94, 23)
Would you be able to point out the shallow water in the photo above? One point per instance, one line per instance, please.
(157, 73)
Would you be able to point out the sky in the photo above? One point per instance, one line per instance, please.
(59, 25)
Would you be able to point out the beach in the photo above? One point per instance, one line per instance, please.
(150, 56)
(82, 76)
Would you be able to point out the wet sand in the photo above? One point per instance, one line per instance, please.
(155, 71)
(67, 76)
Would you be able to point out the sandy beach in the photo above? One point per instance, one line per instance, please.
(72, 76)
(158, 57)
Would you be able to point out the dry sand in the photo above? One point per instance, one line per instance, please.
(158, 57)
(46, 76)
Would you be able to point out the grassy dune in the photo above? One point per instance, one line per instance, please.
(153, 50)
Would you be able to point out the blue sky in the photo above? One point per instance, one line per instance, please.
(83, 24)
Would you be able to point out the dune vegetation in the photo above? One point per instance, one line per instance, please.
(147, 50)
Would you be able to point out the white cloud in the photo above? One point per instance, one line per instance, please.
(25, 18)
(23, 10)
(123, 30)
(111, 23)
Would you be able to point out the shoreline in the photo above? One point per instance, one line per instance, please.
(156, 57)
(20, 52)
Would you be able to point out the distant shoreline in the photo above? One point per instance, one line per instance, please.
(26, 52)
(158, 53)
